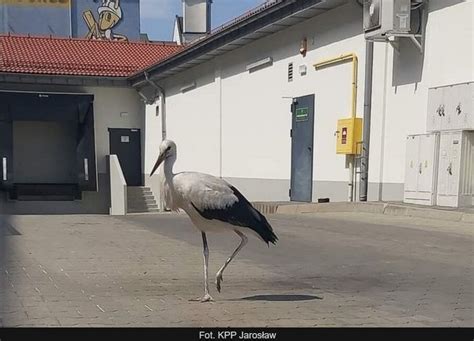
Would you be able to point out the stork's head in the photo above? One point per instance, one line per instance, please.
(167, 150)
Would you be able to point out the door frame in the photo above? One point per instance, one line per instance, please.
(141, 175)
(294, 103)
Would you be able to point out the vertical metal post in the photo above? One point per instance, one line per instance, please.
(350, 193)
(364, 161)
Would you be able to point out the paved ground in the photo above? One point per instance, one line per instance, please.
(343, 269)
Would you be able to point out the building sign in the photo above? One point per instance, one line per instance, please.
(43, 3)
(36, 17)
(90, 19)
(106, 19)
(109, 16)
(302, 114)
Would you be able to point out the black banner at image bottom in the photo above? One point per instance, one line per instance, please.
(236, 334)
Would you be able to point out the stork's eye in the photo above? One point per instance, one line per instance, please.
(168, 149)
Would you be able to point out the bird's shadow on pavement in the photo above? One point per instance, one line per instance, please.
(279, 298)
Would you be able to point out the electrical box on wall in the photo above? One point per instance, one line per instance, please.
(421, 169)
(456, 169)
(349, 136)
(451, 107)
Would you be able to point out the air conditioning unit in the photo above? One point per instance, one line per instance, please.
(383, 18)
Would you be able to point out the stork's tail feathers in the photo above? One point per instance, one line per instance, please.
(265, 231)
(259, 223)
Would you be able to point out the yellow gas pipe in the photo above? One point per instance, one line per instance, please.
(355, 67)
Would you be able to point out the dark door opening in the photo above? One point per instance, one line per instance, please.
(44, 152)
(126, 144)
(47, 145)
(302, 134)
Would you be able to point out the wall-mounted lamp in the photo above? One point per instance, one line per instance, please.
(260, 63)
(188, 87)
(304, 47)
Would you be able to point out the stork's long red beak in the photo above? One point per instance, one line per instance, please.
(161, 158)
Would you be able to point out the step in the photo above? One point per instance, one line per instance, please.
(138, 189)
(141, 200)
(142, 205)
(145, 201)
(140, 197)
(142, 211)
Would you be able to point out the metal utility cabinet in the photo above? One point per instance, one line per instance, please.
(349, 136)
(456, 169)
(421, 169)
(451, 107)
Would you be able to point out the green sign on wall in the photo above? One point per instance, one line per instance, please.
(302, 114)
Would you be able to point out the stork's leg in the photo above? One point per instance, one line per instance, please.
(219, 278)
(207, 297)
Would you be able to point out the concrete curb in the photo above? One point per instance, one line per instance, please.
(368, 207)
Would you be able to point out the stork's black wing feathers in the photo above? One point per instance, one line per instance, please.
(241, 213)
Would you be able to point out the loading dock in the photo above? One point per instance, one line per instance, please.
(47, 147)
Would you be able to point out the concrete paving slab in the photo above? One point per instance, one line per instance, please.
(328, 269)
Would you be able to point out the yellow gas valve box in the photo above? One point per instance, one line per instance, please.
(349, 136)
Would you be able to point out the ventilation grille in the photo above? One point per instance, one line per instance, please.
(290, 72)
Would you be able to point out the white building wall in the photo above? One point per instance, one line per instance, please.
(193, 120)
(252, 149)
(114, 108)
(401, 83)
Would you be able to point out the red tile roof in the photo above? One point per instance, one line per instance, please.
(79, 57)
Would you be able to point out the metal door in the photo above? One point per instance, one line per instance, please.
(459, 106)
(412, 166)
(421, 169)
(302, 134)
(436, 109)
(126, 144)
(449, 164)
(6, 154)
(427, 168)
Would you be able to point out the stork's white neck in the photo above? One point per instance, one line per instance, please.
(168, 167)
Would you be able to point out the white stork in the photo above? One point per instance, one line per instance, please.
(212, 205)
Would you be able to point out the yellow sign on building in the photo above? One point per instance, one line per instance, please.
(43, 3)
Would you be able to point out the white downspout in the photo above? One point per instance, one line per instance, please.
(162, 95)
(219, 85)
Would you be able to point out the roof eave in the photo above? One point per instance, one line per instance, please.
(257, 26)
(73, 80)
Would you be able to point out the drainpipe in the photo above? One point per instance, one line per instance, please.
(364, 166)
(162, 93)
(352, 57)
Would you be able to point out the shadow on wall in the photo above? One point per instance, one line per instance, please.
(436, 5)
(408, 62)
